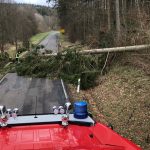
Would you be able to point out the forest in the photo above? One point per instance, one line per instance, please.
(117, 97)
(19, 22)
(105, 23)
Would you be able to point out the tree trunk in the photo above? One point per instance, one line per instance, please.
(2, 47)
(16, 44)
(139, 13)
(116, 49)
(108, 14)
(110, 50)
(118, 28)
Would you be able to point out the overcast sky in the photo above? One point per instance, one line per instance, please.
(38, 2)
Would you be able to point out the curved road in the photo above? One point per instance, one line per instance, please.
(51, 42)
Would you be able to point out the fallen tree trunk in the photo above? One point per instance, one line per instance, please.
(116, 49)
(110, 50)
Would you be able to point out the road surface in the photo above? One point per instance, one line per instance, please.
(22, 92)
(51, 42)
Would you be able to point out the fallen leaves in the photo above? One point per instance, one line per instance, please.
(122, 99)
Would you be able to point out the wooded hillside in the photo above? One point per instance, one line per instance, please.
(106, 23)
(18, 22)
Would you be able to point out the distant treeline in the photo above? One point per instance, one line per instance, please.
(18, 22)
(105, 23)
(43, 10)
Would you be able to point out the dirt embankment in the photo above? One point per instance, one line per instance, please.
(122, 98)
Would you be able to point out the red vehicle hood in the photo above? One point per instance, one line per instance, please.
(55, 137)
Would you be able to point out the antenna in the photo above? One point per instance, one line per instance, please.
(68, 104)
(35, 108)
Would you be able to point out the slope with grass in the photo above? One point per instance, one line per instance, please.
(122, 98)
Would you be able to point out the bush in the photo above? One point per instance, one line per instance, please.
(106, 40)
(4, 58)
(33, 46)
(42, 46)
(20, 50)
(88, 79)
(23, 70)
(38, 47)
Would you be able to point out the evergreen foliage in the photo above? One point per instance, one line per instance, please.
(4, 58)
(69, 67)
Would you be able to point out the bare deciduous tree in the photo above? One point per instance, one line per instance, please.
(17, 23)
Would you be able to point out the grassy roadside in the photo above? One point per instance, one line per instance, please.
(34, 40)
(122, 99)
(38, 38)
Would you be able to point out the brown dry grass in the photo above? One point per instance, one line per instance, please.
(122, 98)
(65, 43)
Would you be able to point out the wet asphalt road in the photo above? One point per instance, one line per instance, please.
(51, 42)
(22, 92)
